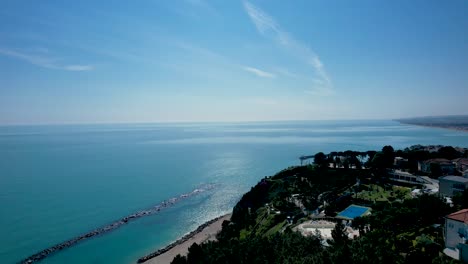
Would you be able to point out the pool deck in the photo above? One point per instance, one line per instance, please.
(310, 227)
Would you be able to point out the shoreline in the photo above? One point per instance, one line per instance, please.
(454, 128)
(205, 232)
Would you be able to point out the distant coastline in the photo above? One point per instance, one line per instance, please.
(464, 129)
(458, 123)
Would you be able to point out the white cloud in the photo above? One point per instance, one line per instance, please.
(268, 27)
(259, 72)
(286, 72)
(33, 59)
(42, 61)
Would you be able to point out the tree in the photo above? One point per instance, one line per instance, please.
(388, 156)
(195, 253)
(338, 234)
(340, 251)
(460, 200)
(179, 260)
(355, 161)
(378, 162)
(337, 162)
(448, 153)
(360, 224)
(346, 163)
(321, 160)
(424, 251)
(436, 170)
(383, 159)
(388, 150)
(370, 154)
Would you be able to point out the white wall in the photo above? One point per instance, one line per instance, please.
(446, 187)
(452, 229)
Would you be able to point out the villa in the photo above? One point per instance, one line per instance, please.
(451, 185)
(406, 177)
(461, 164)
(456, 234)
(446, 166)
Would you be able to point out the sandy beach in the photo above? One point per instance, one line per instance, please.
(207, 233)
(454, 127)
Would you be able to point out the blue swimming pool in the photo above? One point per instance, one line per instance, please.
(353, 211)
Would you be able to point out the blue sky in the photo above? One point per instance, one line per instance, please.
(200, 60)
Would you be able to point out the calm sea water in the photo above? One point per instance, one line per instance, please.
(57, 182)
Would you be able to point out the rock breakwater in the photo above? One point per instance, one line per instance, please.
(114, 225)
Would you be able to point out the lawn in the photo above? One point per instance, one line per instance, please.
(373, 192)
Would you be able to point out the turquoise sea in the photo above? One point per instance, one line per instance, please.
(57, 182)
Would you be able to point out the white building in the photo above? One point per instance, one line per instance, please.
(456, 234)
(406, 177)
(451, 185)
(456, 228)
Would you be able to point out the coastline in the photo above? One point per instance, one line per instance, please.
(454, 128)
(204, 232)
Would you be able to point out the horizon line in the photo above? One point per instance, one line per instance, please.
(193, 122)
(397, 119)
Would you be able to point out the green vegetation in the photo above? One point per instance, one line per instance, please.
(374, 192)
(419, 153)
(401, 229)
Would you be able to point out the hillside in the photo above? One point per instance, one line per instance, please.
(268, 223)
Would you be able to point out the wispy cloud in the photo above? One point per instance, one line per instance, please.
(42, 61)
(223, 61)
(259, 72)
(78, 68)
(267, 26)
(285, 72)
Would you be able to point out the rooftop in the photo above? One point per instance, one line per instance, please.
(440, 161)
(463, 161)
(461, 216)
(454, 178)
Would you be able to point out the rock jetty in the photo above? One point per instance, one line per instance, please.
(112, 226)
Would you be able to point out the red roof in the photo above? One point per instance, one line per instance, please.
(439, 161)
(463, 161)
(461, 216)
